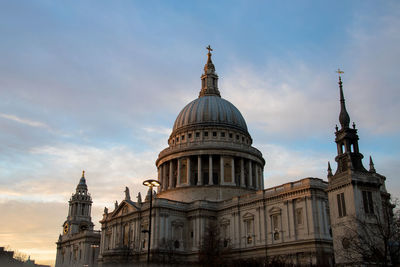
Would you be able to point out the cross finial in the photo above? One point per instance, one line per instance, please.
(339, 72)
(209, 49)
(83, 173)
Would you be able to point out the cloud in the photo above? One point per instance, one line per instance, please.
(35, 227)
(28, 122)
(287, 165)
(283, 100)
(372, 79)
(108, 171)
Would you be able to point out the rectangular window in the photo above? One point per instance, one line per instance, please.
(223, 134)
(341, 205)
(197, 134)
(230, 135)
(275, 221)
(190, 136)
(183, 137)
(214, 133)
(368, 202)
(299, 216)
(205, 133)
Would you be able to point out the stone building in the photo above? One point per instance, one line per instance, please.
(360, 204)
(79, 243)
(212, 179)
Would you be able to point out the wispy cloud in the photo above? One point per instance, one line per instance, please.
(24, 121)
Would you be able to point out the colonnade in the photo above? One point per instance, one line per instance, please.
(210, 170)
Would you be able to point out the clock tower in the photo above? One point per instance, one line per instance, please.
(78, 245)
(79, 212)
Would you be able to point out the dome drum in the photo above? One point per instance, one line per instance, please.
(209, 133)
(210, 156)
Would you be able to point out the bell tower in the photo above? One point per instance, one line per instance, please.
(348, 154)
(357, 197)
(79, 213)
(79, 243)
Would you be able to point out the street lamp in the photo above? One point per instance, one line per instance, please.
(150, 183)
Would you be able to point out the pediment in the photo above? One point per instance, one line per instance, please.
(248, 215)
(275, 210)
(225, 221)
(125, 207)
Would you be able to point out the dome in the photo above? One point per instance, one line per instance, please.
(210, 110)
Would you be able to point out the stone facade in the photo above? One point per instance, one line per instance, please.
(357, 197)
(291, 220)
(212, 176)
(79, 243)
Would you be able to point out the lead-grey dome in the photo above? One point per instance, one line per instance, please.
(210, 110)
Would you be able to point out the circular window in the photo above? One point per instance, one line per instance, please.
(345, 243)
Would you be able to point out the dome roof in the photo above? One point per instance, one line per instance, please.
(211, 110)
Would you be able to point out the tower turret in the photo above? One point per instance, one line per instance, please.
(209, 79)
(79, 213)
(349, 156)
(79, 244)
(356, 197)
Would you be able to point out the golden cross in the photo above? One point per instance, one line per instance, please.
(83, 173)
(209, 48)
(339, 72)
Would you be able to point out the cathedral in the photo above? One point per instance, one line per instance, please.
(211, 185)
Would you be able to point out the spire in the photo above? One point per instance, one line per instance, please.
(344, 117)
(209, 79)
(371, 165)
(329, 170)
(82, 181)
(82, 187)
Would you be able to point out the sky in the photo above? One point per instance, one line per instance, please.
(97, 85)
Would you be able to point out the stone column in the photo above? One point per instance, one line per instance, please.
(210, 170)
(221, 167)
(233, 171)
(234, 236)
(257, 181)
(199, 176)
(194, 235)
(171, 174)
(262, 178)
(164, 175)
(178, 173)
(291, 219)
(250, 174)
(188, 170)
(242, 182)
(161, 229)
(159, 179)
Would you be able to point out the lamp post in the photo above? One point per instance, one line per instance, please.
(150, 183)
